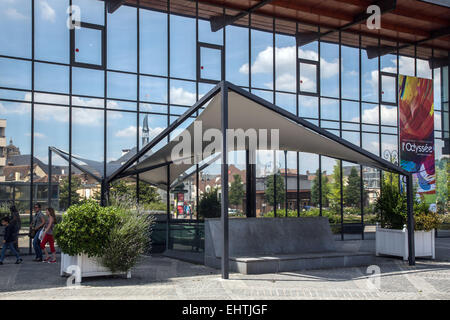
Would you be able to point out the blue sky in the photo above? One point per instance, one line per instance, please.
(52, 44)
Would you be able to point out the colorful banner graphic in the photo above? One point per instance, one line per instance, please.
(417, 135)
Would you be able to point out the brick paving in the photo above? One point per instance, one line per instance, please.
(159, 277)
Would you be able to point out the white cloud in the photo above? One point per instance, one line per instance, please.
(389, 116)
(127, 132)
(181, 96)
(285, 64)
(369, 116)
(14, 14)
(47, 12)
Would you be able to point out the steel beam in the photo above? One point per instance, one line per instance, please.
(410, 222)
(224, 182)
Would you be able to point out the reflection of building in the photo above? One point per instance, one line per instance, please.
(2, 147)
(371, 180)
(145, 131)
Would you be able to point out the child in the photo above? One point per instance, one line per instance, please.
(48, 236)
(8, 241)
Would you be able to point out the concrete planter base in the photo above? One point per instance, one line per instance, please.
(87, 267)
(395, 242)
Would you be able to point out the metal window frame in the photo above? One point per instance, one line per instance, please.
(380, 87)
(317, 65)
(73, 60)
(221, 49)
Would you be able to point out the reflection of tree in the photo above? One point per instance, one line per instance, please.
(122, 188)
(335, 188)
(442, 185)
(64, 192)
(352, 191)
(270, 189)
(236, 190)
(315, 190)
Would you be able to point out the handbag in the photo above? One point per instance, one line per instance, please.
(32, 233)
(41, 234)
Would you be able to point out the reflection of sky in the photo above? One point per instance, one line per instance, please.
(52, 43)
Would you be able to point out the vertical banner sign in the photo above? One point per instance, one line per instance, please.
(417, 135)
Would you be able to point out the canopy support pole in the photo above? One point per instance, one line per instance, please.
(49, 188)
(410, 210)
(168, 208)
(224, 195)
(103, 193)
(250, 206)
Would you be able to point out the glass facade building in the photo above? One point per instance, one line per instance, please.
(102, 89)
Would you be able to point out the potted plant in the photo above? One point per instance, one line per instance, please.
(391, 232)
(98, 241)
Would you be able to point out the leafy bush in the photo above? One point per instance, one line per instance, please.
(391, 210)
(128, 239)
(209, 205)
(85, 228)
(425, 219)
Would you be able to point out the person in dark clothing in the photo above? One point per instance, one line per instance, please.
(15, 220)
(8, 241)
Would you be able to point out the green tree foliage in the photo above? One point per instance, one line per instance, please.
(442, 185)
(270, 186)
(236, 191)
(315, 190)
(129, 238)
(335, 188)
(85, 228)
(352, 190)
(209, 205)
(122, 188)
(64, 192)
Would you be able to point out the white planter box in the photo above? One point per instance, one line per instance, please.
(395, 242)
(88, 267)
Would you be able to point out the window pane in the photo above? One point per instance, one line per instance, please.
(370, 143)
(369, 78)
(370, 113)
(329, 70)
(329, 109)
(309, 181)
(122, 39)
(88, 82)
(350, 111)
(122, 86)
(406, 66)
(237, 55)
(51, 32)
(285, 63)
(388, 88)
(389, 115)
(15, 15)
(88, 46)
(350, 73)
(15, 73)
(423, 69)
(153, 89)
(182, 47)
(286, 101)
(206, 35)
(308, 106)
(52, 78)
(210, 67)
(182, 92)
(262, 59)
(153, 42)
(121, 135)
(308, 77)
(91, 11)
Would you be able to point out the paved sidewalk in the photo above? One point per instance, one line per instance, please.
(160, 277)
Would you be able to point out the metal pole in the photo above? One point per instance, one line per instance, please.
(168, 208)
(224, 202)
(410, 210)
(49, 191)
(286, 185)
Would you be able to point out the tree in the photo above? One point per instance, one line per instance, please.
(315, 190)
(270, 189)
(236, 190)
(64, 192)
(335, 190)
(442, 194)
(147, 193)
(209, 205)
(352, 191)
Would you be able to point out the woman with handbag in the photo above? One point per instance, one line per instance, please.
(36, 225)
(47, 236)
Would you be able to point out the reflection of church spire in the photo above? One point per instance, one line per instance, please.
(145, 131)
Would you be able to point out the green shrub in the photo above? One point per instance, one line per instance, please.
(425, 219)
(209, 205)
(127, 241)
(85, 228)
